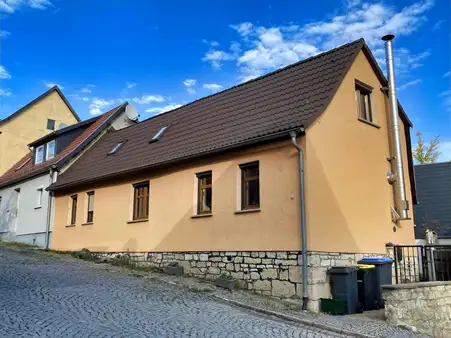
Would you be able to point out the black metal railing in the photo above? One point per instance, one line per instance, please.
(421, 263)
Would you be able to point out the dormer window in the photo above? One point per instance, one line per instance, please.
(158, 135)
(39, 155)
(50, 153)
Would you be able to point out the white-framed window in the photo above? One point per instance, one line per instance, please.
(39, 192)
(39, 155)
(50, 153)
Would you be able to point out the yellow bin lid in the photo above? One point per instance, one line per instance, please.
(365, 266)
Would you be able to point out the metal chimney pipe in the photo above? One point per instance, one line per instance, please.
(400, 188)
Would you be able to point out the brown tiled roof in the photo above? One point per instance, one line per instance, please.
(270, 105)
(24, 168)
(264, 108)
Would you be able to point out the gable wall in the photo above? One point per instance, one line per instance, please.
(348, 197)
(30, 125)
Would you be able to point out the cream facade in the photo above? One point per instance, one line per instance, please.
(31, 124)
(348, 205)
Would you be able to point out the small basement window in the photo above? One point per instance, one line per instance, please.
(116, 148)
(159, 134)
(363, 99)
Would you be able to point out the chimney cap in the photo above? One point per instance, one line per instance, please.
(388, 37)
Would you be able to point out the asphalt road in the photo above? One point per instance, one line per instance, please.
(45, 295)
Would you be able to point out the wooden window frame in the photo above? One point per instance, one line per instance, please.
(90, 213)
(200, 187)
(362, 90)
(138, 214)
(51, 122)
(244, 180)
(73, 209)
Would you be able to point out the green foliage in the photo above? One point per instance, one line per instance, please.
(423, 154)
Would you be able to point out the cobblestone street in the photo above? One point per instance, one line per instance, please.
(46, 295)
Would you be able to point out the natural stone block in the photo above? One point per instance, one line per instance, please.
(282, 255)
(188, 257)
(317, 291)
(254, 254)
(261, 254)
(267, 261)
(230, 267)
(238, 259)
(237, 275)
(203, 257)
(255, 275)
(270, 254)
(214, 271)
(283, 274)
(294, 274)
(325, 262)
(285, 262)
(221, 265)
(262, 285)
(282, 289)
(201, 264)
(252, 260)
(231, 253)
(269, 274)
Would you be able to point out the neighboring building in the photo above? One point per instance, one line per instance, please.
(26, 213)
(215, 184)
(50, 111)
(433, 211)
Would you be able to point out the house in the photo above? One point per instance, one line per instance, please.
(215, 185)
(433, 211)
(26, 207)
(45, 113)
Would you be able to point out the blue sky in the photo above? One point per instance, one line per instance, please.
(162, 54)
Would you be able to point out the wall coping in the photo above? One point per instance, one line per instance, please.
(414, 285)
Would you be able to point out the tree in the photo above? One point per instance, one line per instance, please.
(423, 153)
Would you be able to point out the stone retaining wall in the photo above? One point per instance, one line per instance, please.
(272, 273)
(425, 306)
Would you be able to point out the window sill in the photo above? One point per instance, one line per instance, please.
(201, 215)
(87, 223)
(370, 123)
(36, 208)
(70, 225)
(246, 211)
(138, 221)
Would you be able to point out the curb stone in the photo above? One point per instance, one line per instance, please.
(293, 319)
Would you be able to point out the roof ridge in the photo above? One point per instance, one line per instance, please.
(361, 40)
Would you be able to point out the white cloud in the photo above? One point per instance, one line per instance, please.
(87, 89)
(438, 24)
(97, 105)
(189, 84)
(216, 57)
(5, 92)
(212, 86)
(244, 28)
(261, 49)
(10, 6)
(84, 98)
(410, 83)
(446, 96)
(447, 74)
(39, 4)
(52, 84)
(159, 110)
(4, 73)
(4, 34)
(146, 99)
(445, 151)
(130, 85)
(210, 43)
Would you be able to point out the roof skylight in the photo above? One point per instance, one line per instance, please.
(116, 148)
(159, 134)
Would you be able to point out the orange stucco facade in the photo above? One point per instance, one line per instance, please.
(348, 198)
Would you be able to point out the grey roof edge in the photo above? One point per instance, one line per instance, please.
(64, 130)
(37, 99)
(69, 156)
(267, 138)
(59, 164)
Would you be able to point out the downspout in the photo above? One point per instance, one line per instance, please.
(304, 275)
(401, 203)
(49, 208)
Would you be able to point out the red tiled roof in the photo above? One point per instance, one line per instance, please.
(23, 169)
